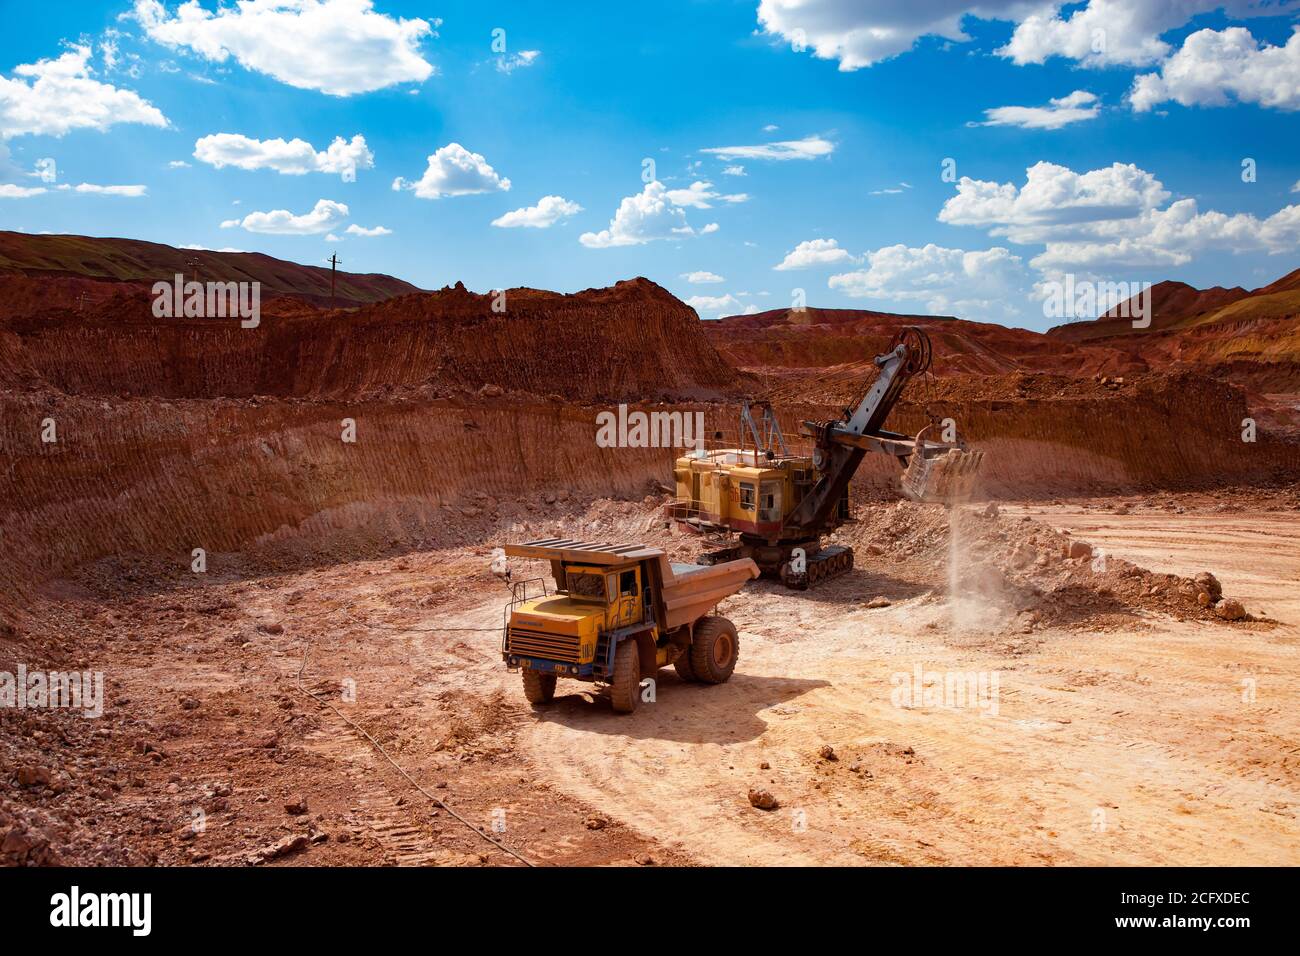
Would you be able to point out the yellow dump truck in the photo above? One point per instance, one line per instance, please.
(616, 615)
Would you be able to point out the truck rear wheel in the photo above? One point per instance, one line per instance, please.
(683, 666)
(715, 648)
(539, 688)
(625, 682)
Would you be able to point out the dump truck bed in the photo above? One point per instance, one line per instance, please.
(683, 592)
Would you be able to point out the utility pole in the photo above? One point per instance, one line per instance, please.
(334, 264)
(194, 263)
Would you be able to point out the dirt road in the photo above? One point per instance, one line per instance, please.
(1175, 742)
(1133, 738)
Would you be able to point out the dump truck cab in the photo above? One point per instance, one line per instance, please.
(616, 615)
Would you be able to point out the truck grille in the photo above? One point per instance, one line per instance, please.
(552, 647)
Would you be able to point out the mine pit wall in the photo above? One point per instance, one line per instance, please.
(160, 478)
(1158, 435)
(646, 345)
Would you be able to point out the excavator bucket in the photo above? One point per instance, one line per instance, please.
(948, 476)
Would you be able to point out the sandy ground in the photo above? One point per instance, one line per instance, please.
(1115, 748)
(1156, 741)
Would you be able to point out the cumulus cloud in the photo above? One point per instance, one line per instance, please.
(455, 171)
(714, 306)
(645, 217)
(1095, 34)
(324, 216)
(294, 157)
(814, 253)
(1114, 218)
(702, 278)
(1215, 67)
(1075, 108)
(859, 34)
(700, 195)
(339, 47)
(355, 230)
(52, 97)
(734, 171)
(1053, 198)
(548, 211)
(810, 147)
(987, 285)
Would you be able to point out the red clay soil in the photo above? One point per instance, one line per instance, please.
(633, 341)
(817, 338)
(144, 263)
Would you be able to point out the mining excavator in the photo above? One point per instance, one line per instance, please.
(781, 505)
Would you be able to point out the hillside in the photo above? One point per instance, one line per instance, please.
(134, 262)
(819, 338)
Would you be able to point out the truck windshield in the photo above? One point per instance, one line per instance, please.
(586, 585)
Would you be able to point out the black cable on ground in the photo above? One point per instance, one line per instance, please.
(437, 801)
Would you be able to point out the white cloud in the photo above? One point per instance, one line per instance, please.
(1114, 218)
(355, 230)
(645, 217)
(1053, 199)
(178, 164)
(859, 34)
(810, 147)
(134, 192)
(987, 285)
(548, 211)
(294, 157)
(770, 128)
(1296, 187)
(455, 171)
(1215, 67)
(702, 278)
(10, 191)
(61, 96)
(734, 171)
(1075, 108)
(814, 253)
(521, 60)
(324, 217)
(700, 194)
(339, 47)
(709, 229)
(714, 305)
(196, 246)
(1095, 34)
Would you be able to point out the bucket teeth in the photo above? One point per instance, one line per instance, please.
(948, 478)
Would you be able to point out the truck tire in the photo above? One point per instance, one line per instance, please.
(625, 682)
(539, 688)
(715, 648)
(684, 668)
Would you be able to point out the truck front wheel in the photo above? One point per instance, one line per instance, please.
(539, 688)
(715, 648)
(625, 682)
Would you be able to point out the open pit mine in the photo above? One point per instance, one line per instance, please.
(360, 585)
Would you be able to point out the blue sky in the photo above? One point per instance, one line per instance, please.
(1137, 167)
